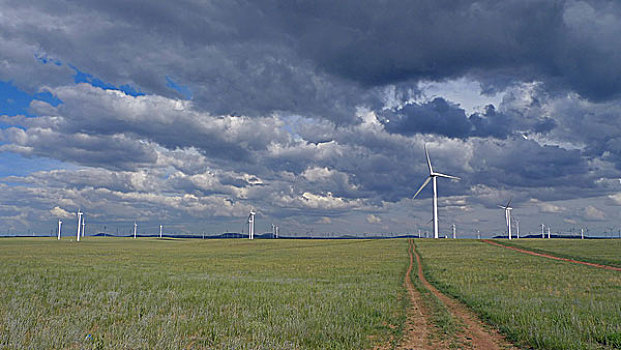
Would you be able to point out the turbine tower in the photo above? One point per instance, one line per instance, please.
(454, 233)
(79, 224)
(542, 234)
(135, 228)
(83, 224)
(60, 223)
(433, 178)
(161, 232)
(517, 228)
(251, 224)
(507, 209)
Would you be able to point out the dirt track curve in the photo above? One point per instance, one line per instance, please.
(419, 328)
(525, 251)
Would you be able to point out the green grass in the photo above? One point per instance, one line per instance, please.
(599, 251)
(537, 302)
(113, 293)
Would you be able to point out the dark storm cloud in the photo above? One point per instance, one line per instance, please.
(309, 58)
(566, 43)
(441, 117)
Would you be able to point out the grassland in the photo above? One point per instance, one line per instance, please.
(113, 293)
(599, 251)
(537, 302)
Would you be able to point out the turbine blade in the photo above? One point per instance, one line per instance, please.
(509, 202)
(421, 187)
(446, 176)
(502, 206)
(428, 161)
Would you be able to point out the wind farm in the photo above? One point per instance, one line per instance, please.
(253, 175)
(239, 270)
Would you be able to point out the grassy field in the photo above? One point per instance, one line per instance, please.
(120, 293)
(537, 302)
(600, 251)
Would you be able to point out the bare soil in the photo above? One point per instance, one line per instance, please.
(418, 327)
(552, 256)
(475, 334)
(421, 334)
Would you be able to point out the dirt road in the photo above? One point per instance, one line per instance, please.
(525, 251)
(420, 333)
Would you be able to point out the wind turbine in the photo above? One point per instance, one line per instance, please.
(507, 209)
(432, 177)
(83, 224)
(251, 224)
(454, 233)
(517, 228)
(60, 223)
(135, 228)
(161, 232)
(79, 224)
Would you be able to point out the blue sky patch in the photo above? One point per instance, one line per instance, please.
(13, 164)
(182, 89)
(83, 77)
(14, 101)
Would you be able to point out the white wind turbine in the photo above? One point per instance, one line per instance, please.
(60, 224)
(251, 224)
(432, 177)
(507, 209)
(79, 224)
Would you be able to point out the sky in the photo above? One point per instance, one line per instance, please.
(189, 114)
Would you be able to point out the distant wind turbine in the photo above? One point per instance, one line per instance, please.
(79, 224)
(432, 177)
(251, 224)
(60, 223)
(161, 231)
(517, 228)
(542, 233)
(507, 209)
(135, 229)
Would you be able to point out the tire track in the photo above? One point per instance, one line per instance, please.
(525, 251)
(418, 325)
(476, 334)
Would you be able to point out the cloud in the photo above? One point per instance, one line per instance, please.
(550, 208)
(372, 219)
(308, 110)
(325, 220)
(61, 213)
(593, 213)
